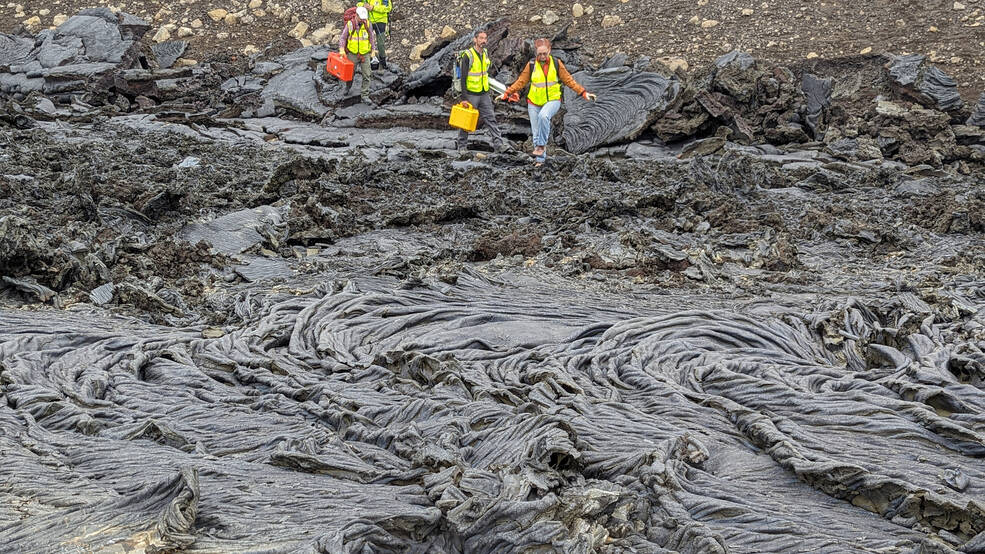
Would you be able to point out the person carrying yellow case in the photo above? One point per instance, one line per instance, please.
(474, 65)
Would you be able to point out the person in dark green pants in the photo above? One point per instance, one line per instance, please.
(379, 17)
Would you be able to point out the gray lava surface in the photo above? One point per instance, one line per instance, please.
(241, 313)
(754, 351)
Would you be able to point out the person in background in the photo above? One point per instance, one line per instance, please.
(379, 16)
(545, 74)
(358, 43)
(474, 65)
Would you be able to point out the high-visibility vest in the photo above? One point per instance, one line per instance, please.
(478, 78)
(544, 88)
(359, 39)
(379, 11)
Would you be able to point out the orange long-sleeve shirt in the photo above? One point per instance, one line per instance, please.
(562, 72)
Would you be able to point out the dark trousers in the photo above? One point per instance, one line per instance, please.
(364, 68)
(380, 30)
(487, 116)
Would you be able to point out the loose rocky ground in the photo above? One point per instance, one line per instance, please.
(120, 198)
(805, 221)
(691, 32)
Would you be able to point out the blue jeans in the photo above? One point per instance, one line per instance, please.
(540, 120)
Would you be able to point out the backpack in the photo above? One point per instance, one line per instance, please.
(349, 15)
(456, 72)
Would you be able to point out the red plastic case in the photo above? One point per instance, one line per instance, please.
(340, 66)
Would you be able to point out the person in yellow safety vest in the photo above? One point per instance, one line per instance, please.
(358, 43)
(379, 17)
(545, 74)
(474, 66)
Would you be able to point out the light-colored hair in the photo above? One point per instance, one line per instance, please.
(542, 42)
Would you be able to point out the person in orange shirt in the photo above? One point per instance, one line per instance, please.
(545, 74)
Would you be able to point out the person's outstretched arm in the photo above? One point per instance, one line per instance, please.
(568, 80)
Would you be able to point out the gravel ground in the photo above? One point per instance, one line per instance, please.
(697, 31)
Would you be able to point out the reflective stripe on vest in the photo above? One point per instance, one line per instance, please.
(544, 88)
(359, 40)
(478, 78)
